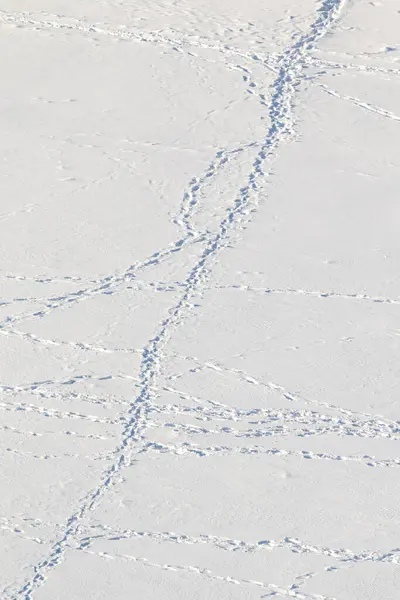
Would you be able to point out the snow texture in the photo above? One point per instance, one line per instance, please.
(200, 299)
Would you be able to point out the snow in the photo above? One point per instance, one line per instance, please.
(200, 292)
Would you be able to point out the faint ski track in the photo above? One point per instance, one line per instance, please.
(207, 574)
(289, 75)
(207, 451)
(50, 305)
(180, 44)
(312, 293)
(370, 69)
(360, 103)
(294, 545)
(246, 377)
(92, 533)
(49, 456)
(302, 423)
(58, 414)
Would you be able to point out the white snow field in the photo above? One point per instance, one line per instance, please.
(200, 299)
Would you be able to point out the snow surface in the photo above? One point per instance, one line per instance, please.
(200, 299)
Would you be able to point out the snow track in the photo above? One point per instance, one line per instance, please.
(127, 336)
